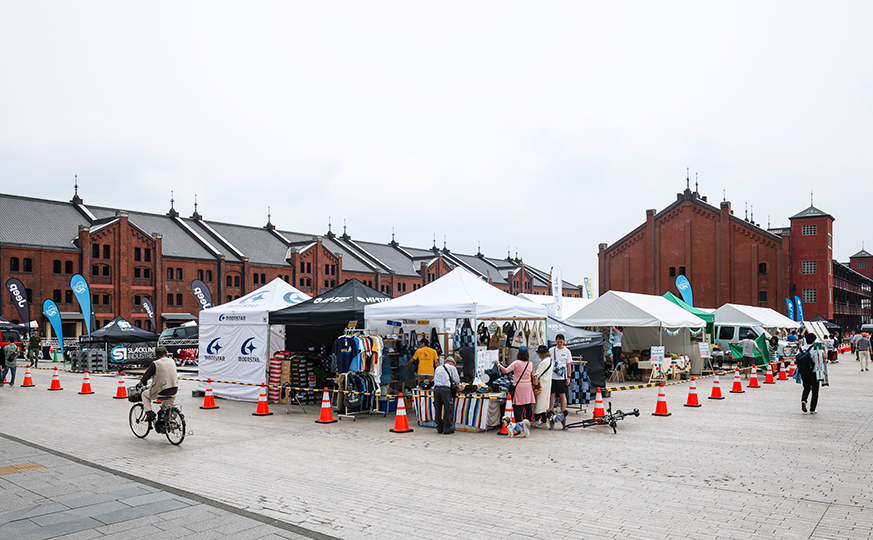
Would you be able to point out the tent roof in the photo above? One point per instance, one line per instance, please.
(273, 296)
(705, 315)
(571, 305)
(634, 310)
(457, 294)
(335, 307)
(574, 338)
(120, 331)
(753, 315)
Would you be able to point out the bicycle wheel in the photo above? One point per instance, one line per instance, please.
(138, 422)
(175, 427)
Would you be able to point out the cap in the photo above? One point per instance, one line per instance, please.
(450, 359)
(523, 349)
(542, 349)
(160, 351)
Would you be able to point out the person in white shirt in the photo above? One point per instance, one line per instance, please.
(616, 345)
(561, 358)
(444, 378)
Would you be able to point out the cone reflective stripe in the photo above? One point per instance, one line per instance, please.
(263, 409)
(28, 381)
(326, 416)
(753, 378)
(782, 375)
(209, 400)
(791, 368)
(401, 423)
(716, 389)
(598, 405)
(661, 408)
(738, 385)
(692, 395)
(86, 384)
(121, 393)
(56, 381)
(508, 410)
(768, 379)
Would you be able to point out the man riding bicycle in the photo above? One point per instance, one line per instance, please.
(165, 382)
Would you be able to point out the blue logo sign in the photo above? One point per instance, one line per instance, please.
(54, 316)
(684, 287)
(799, 306)
(294, 297)
(83, 296)
(247, 347)
(790, 309)
(213, 346)
(253, 298)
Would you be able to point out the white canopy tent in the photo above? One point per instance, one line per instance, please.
(570, 305)
(615, 308)
(236, 339)
(818, 328)
(741, 315)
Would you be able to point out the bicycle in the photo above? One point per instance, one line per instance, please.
(170, 422)
(609, 419)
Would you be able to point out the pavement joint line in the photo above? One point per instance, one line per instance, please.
(290, 527)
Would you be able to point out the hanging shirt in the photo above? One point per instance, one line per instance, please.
(345, 349)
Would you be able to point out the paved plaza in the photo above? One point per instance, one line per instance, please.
(749, 466)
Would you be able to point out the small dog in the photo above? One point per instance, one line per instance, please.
(516, 429)
(560, 418)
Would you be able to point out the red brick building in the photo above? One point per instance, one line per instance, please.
(128, 255)
(729, 259)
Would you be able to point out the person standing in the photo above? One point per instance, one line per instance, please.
(862, 345)
(545, 399)
(806, 368)
(616, 345)
(561, 358)
(33, 349)
(10, 353)
(523, 398)
(749, 348)
(444, 379)
(427, 360)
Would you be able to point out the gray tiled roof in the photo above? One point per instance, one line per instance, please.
(256, 243)
(350, 262)
(812, 211)
(397, 261)
(862, 253)
(39, 223)
(483, 267)
(197, 225)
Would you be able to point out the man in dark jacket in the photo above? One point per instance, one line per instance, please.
(806, 367)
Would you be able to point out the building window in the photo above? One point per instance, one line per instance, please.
(862, 264)
(229, 281)
(308, 282)
(255, 278)
(808, 267)
(263, 279)
(762, 297)
(169, 299)
(672, 271)
(56, 296)
(68, 297)
(301, 282)
(106, 300)
(95, 270)
(170, 273)
(137, 273)
(137, 323)
(681, 270)
(68, 267)
(333, 283)
(13, 264)
(327, 269)
(95, 251)
(762, 268)
(146, 273)
(209, 276)
(56, 266)
(810, 296)
(148, 258)
(27, 265)
(236, 281)
(809, 230)
(106, 251)
(179, 299)
(227, 298)
(179, 274)
(105, 270)
(137, 300)
(29, 293)
(326, 283)
(200, 275)
(303, 268)
(95, 299)
(137, 254)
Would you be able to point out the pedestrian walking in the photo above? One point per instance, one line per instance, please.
(33, 349)
(807, 366)
(545, 400)
(863, 345)
(10, 355)
(749, 348)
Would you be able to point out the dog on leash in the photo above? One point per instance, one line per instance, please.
(516, 429)
(556, 418)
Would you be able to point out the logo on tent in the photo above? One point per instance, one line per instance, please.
(294, 298)
(224, 317)
(247, 347)
(253, 298)
(213, 346)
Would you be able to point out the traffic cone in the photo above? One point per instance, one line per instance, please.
(56, 381)
(598, 405)
(768, 379)
(716, 389)
(782, 375)
(692, 395)
(209, 400)
(661, 408)
(401, 424)
(508, 410)
(28, 381)
(753, 378)
(263, 409)
(326, 410)
(121, 393)
(738, 385)
(791, 368)
(86, 384)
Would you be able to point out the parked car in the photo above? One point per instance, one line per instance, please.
(727, 334)
(180, 338)
(8, 335)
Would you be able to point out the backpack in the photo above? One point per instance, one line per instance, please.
(804, 361)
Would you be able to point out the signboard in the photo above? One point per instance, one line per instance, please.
(394, 323)
(704, 350)
(657, 356)
(422, 323)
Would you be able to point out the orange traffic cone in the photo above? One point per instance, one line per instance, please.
(28, 381)
(209, 400)
(738, 386)
(661, 408)
(121, 393)
(753, 378)
(86, 384)
(507, 411)
(326, 411)
(401, 424)
(791, 368)
(782, 375)
(263, 408)
(598, 405)
(716, 389)
(768, 379)
(692, 395)
(56, 381)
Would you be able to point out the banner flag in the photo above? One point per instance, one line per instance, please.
(150, 309)
(790, 309)
(54, 316)
(201, 291)
(19, 298)
(799, 305)
(588, 282)
(684, 287)
(558, 293)
(83, 295)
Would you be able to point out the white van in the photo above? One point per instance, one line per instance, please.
(727, 334)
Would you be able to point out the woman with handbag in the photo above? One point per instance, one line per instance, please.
(544, 375)
(521, 389)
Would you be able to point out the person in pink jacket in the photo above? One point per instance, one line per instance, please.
(524, 398)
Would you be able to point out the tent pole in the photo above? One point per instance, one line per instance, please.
(475, 349)
(660, 340)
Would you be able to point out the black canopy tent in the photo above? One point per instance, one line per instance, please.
(584, 344)
(828, 324)
(133, 345)
(321, 320)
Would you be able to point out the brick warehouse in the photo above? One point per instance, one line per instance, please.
(733, 260)
(129, 255)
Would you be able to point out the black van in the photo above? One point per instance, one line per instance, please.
(8, 335)
(179, 338)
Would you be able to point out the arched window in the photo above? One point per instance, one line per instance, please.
(105, 270)
(28, 265)
(13, 264)
(255, 278)
(179, 274)
(178, 299)
(137, 323)
(56, 266)
(200, 275)
(236, 281)
(170, 273)
(146, 273)
(209, 276)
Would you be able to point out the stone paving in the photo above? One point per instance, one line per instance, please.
(749, 466)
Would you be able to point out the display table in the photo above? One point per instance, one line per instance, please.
(473, 412)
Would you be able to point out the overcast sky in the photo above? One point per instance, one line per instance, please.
(546, 127)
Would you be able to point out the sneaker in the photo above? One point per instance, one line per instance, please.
(448, 432)
(803, 406)
(150, 415)
(812, 412)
